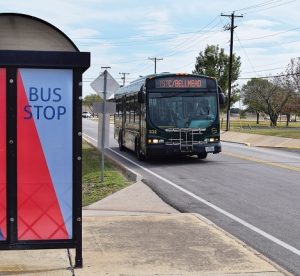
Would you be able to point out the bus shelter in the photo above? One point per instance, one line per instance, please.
(41, 134)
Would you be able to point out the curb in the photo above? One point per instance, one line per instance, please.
(258, 146)
(240, 143)
(130, 174)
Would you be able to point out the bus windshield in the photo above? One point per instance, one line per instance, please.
(182, 110)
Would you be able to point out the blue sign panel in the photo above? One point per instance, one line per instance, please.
(45, 168)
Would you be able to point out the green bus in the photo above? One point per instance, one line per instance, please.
(169, 114)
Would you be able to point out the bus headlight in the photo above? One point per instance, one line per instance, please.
(213, 139)
(156, 141)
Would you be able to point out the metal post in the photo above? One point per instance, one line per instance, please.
(77, 173)
(103, 125)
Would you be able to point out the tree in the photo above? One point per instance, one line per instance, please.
(292, 107)
(266, 96)
(293, 74)
(215, 63)
(89, 101)
(292, 81)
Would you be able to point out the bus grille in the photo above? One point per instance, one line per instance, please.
(186, 140)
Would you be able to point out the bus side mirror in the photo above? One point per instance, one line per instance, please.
(222, 99)
(141, 97)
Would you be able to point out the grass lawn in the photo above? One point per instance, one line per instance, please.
(263, 128)
(92, 189)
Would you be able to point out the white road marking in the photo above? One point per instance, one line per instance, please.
(233, 217)
(91, 138)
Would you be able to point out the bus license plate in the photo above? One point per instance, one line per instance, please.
(209, 149)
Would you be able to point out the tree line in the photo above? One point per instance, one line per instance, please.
(272, 96)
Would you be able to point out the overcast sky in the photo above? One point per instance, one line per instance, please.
(123, 34)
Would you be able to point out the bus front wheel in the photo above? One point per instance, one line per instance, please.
(202, 155)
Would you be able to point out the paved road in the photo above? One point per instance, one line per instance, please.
(252, 193)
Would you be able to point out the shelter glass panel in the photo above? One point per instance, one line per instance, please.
(3, 203)
(44, 151)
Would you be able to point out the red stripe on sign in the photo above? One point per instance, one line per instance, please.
(39, 214)
(3, 232)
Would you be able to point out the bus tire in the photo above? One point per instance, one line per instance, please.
(202, 155)
(120, 141)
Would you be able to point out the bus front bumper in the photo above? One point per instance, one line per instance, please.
(176, 149)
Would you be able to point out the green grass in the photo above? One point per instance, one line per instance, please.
(92, 189)
(273, 132)
(263, 128)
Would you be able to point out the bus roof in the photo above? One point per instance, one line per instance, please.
(137, 85)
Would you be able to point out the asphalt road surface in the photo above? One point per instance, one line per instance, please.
(252, 193)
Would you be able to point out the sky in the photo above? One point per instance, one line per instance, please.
(124, 34)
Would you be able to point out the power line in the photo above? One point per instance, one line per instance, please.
(257, 7)
(145, 36)
(271, 7)
(187, 40)
(186, 43)
(259, 37)
(270, 2)
(194, 42)
(270, 77)
(246, 54)
(133, 40)
(269, 69)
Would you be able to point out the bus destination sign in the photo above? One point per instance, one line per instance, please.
(180, 82)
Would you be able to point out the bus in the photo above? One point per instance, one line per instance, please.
(169, 114)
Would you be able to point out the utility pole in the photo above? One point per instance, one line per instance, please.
(231, 28)
(123, 78)
(155, 59)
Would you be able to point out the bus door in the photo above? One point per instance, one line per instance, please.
(124, 114)
(143, 126)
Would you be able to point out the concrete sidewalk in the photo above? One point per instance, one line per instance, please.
(133, 232)
(257, 140)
